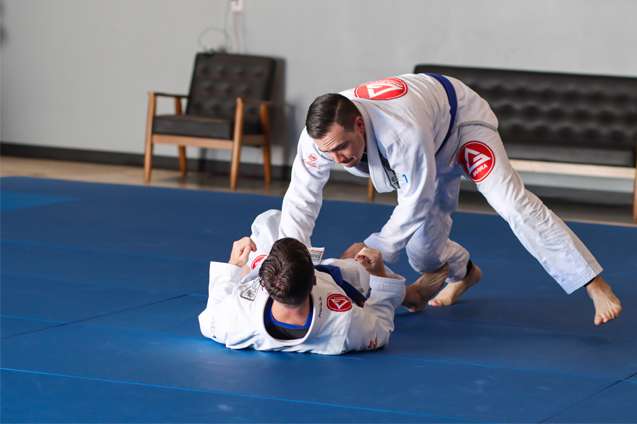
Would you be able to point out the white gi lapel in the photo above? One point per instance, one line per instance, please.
(377, 173)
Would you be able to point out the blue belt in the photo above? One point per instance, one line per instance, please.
(351, 292)
(453, 102)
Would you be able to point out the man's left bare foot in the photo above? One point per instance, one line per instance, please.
(452, 291)
(425, 288)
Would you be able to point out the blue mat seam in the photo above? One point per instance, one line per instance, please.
(580, 401)
(95, 316)
(73, 248)
(350, 357)
(235, 394)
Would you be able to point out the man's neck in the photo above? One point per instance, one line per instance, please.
(296, 315)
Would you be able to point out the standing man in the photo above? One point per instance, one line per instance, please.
(417, 134)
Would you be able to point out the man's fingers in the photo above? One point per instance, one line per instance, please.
(245, 253)
(352, 250)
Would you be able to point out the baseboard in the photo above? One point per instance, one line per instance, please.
(132, 159)
(279, 172)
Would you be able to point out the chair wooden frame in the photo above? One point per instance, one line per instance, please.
(238, 140)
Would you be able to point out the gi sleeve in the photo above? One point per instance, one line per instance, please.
(371, 325)
(304, 197)
(412, 158)
(213, 321)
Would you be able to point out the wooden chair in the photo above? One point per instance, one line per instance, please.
(227, 107)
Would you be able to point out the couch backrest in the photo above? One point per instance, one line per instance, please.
(219, 78)
(558, 117)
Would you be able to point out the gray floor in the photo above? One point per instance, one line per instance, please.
(582, 206)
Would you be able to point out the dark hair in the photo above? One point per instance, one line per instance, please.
(288, 273)
(328, 109)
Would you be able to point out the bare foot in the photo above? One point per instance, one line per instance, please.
(452, 291)
(424, 288)
(607, 305)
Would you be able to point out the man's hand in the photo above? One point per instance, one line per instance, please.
(372, 261)
(353, 250)
(240, 251)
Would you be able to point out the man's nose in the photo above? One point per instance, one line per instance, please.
(338, 157)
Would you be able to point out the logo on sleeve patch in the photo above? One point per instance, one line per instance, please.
(256, 261)
(312, 160)
(477, 159)
(338, 302)
(385, 89)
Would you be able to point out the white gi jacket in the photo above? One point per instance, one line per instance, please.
(407, 131)
(234, 315)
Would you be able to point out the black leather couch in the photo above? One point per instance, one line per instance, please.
(559, 117)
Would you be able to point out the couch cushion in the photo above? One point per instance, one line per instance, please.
(198, 126)
(558, 117)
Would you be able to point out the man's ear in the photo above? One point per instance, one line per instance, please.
(359, 123)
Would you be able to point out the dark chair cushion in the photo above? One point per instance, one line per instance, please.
(558, 117)
(199, 126)
(219, 78)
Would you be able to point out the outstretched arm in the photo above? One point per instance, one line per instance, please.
(304, 197)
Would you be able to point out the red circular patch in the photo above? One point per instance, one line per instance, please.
(256, 261)
(477, 159)
(338, 302)
(385, 89)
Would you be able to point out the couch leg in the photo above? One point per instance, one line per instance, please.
(635, 198)
(183, 161)
(371, 193)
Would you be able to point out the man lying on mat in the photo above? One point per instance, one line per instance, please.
(281, 301)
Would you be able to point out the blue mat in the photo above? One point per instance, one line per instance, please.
(102, 284)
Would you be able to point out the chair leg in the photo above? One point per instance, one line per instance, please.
(264, 116)
(148, 160)
(234, 164)
(236, 146)
(148, 143)
(183, 161)
(267, 166)
(371, 193)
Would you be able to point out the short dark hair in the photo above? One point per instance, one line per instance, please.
(288, 273)
(328, 109)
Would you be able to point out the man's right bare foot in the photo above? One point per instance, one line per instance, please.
(424, 288)
(452, 291)
(607, 305)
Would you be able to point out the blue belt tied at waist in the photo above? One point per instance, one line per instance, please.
(453, 102)
(351, 292)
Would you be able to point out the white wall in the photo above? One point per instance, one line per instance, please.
(74, 73)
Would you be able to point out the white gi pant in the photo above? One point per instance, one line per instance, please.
(540, 231)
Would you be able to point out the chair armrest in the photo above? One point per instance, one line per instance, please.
(257, 102)
(159, 94)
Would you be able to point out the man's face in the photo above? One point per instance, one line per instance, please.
(345, 147)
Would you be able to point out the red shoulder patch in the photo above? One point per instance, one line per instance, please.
(256, 261)
(385, 89)
(338, 302)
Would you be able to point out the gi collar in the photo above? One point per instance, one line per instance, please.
(380, 176)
